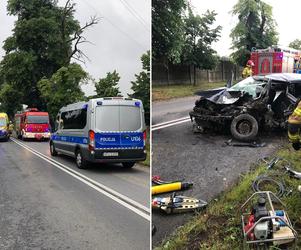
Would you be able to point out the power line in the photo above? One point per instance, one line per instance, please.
(114, 25)
(134, 13)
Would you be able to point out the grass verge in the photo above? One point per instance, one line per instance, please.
(161, 93)
(219, 226)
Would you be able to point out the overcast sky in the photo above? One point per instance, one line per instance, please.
(119, 39)
(285, 12)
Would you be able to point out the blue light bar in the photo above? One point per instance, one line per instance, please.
(85, 106)
(99, 103)
(137, 104)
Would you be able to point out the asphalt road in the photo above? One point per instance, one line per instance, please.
(46, 204)
(172, 109)
(203, 159)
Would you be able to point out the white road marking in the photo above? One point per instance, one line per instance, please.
(112, 194)
(170, 123)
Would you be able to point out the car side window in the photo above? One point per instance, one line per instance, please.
(297, 90)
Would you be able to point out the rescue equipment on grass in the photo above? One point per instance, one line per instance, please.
(265, 226)
(178, 204)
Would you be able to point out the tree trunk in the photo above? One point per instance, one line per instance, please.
(194, 75)
(167, 70)
(190, 74)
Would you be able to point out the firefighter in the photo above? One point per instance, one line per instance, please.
(294, 125)
(248, 69)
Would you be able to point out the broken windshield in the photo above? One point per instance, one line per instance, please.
(248, 85)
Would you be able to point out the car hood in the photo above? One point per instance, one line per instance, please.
(221, 95)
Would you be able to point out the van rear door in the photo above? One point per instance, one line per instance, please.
(118, 127)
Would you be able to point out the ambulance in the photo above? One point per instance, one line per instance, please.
(4, 127)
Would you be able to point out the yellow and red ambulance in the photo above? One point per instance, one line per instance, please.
(4, 127)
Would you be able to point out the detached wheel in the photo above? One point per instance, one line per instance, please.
(53, 152)
(244, 127)
(128, 164)
(81, 162)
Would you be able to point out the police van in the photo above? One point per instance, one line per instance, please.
(110, 129)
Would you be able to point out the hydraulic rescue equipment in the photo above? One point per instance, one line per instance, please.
(166, 186)
(264, 226)
(177, 204)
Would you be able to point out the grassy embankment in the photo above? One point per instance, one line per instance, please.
(161, 93)
(219, 226)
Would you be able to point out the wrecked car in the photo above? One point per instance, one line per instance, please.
(253, 104)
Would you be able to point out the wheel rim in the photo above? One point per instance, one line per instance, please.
(244, 127)
(78, 159)
(51, 148)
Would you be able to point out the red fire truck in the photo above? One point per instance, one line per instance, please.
(275, 59)
(32, 123)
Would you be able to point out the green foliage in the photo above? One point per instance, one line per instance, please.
(41, 43)
(167, 30)
(256, 28)
(141, 86)
(296, 44)
(9, 97)
(107, 86)
(199, 35)
(63, 87)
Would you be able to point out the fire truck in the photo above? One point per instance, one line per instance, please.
(275, 59)
(32, 123)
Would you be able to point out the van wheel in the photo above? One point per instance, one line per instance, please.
(81, 162)
(128, 164)
(244, 127)
(53, 152)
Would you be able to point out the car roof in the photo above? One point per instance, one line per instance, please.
(281, 77)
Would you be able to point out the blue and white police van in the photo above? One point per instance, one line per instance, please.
(110, 129)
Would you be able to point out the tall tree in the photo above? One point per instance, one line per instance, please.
(141, 86)
(296, 44)
(63, 87)
(256, 28)
(44, 39)
(199, 36)
(167, 31)
(107, 86)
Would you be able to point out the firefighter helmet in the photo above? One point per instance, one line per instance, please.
(250, 63)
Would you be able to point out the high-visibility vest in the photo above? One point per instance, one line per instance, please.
(247, 72)
(294, 124)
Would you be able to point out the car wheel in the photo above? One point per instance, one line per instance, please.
(244, 127)
(81, 162)
(53, 152)
(128, 164)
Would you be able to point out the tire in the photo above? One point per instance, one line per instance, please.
(244, 127)
(81, 162)
(53, 152)
(128, 164)
(22, 137)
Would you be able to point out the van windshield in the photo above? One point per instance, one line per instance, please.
(2, 122)
(37, 119)
(118, 118)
